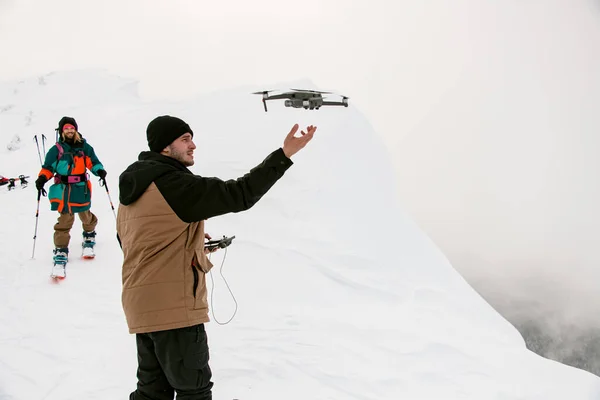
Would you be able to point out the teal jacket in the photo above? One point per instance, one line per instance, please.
(65, 160)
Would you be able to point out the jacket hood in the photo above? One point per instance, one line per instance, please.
(150, 166)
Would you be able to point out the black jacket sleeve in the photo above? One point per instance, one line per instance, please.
(196, 198)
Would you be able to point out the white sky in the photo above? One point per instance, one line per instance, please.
(488, 108)
(380, 53)
(396, 59)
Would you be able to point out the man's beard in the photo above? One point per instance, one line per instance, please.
(69, 139)
(180, 156)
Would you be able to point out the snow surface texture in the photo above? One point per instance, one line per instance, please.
(340, 295)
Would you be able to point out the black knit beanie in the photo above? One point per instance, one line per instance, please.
(163, 130)
(67, 120)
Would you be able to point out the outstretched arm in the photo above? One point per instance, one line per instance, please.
(196, 198)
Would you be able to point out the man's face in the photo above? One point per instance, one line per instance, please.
(182, 149)
(69, 131)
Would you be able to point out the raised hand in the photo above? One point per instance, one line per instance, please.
(293, 144)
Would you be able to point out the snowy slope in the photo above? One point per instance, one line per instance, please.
(339, 294)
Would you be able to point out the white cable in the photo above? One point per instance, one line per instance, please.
(212, 292)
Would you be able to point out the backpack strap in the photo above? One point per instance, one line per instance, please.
(60, 150)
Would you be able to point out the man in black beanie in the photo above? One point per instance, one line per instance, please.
(162, 131)
(160, 226)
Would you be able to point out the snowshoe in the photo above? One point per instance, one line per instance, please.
(87, 246)
(60, 263)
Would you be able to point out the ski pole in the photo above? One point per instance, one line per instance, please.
(38, 149)
(37, 214)
(44, 143)
(103, 183)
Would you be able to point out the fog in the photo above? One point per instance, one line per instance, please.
(502, 172)
(489, 110)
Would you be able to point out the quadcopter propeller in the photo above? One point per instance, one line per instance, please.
(344, 98)
(310, 91)
(265, 95)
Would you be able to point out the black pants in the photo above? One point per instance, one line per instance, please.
(173, 361)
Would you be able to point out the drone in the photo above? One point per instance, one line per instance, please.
(301, 98)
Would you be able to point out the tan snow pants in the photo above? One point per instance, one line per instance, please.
(63, 226)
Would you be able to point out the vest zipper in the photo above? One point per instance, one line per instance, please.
(195, 279)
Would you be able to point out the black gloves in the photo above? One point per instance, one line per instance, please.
(101, 173)
(40, 182)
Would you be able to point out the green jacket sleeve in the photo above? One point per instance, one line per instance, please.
(50, 162)
(95, 164)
